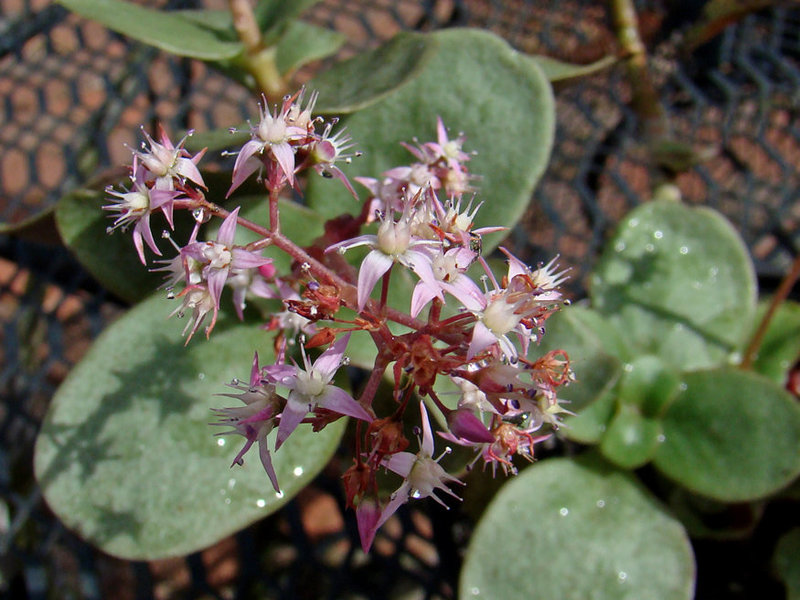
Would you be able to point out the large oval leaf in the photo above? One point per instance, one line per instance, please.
(569, 529)
(162, 29)
(679, 282)
(731, 435)
(126, 457)
(479, 85)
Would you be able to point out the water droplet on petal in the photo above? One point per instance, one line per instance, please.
(279, 494)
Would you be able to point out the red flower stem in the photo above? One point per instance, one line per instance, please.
(385, 286)
(274, 214)
(780, 295)
(374, 381)
(439, 403)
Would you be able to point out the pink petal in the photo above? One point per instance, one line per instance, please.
(329, 361)
(427, 434)
(284, 154)
(245, 259)
(337, 400)
(266, 461)
(244, 167)
(421, 296)
(227, 230)
(367, 516)
(482, 338)
(400, 463)
(188, 169)
(374, 266)
(399, 498)
(293, 413)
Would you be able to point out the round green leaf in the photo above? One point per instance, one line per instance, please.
(568, 529)
(126, 457)
(679, 282)
(731, 435)
(302, 43)
(631, 439)
(480, 86)
(786, 563)
(780, 347)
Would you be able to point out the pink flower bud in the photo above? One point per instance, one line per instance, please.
(465, 425)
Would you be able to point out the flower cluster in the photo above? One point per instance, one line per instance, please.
(466, 328)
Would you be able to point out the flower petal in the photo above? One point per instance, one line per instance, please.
(337, 400)
(329, 361)
(292, 414)
(266, 461)
(374, 266)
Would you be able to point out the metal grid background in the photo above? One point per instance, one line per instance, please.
(73, 94)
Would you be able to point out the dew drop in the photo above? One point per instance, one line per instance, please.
(297, 471)
(684, 249)
(658, 234)
(683, 386)
(109, 230)
(231, 483)
(661, 438)
(734, 358)
(201, 215)
(227, 500)
(235, 381)
(170, 295)
(416, 494)
(222, 492)
(600, 503)
(279, 494)
(622, 576)
(633, 222)
(628, 367)
(201, 376)
(475, 591)
(619, 246)
(649, 247)
(220, 442)
(563, 511)
(261, 503)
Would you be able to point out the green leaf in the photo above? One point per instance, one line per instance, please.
(586, 339)
(302, 43)
(780, 347)
(163, 29)
(679, 282)
(573, 529)
(126, 458)
(274, 16)
(786, 564)
(358, 82)
(731, 435)
(111, 259)
(479, 85)
(649, 385)
(631, 439)
(559, 71)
